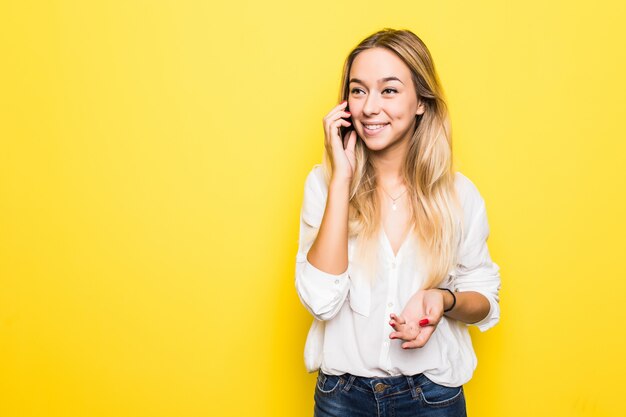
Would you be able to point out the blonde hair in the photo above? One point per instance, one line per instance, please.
(427, 169)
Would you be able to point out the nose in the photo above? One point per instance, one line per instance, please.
(372, 104)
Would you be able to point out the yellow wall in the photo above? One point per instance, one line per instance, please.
(152, 163)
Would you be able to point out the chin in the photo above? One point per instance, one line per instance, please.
(375, 147)
(375, 144)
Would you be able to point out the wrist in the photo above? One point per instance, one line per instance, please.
(339, 187)
(449, 299)
(340, 181)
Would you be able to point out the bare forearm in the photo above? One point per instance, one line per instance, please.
(470, 307)
(329, 252)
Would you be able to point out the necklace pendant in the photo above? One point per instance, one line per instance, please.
(393, 206)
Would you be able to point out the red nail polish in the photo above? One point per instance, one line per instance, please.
(423, 322)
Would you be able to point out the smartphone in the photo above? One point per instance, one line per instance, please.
(343, 130)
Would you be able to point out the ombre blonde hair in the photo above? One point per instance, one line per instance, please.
(427, 170)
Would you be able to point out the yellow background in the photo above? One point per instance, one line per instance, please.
(152, 163)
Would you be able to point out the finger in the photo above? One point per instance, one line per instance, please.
(397, 334)
(340, 115)
(339, 108)
(401, 331)
(339, 140)
(398, 319)
(340, 122)
(404, 334)
(429, 320)
(397, 327)
(411, 345)
(334, 127)
(334, 137)
(335, 113)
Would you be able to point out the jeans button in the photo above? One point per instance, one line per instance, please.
(379, 387)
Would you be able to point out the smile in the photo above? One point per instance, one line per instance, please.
(374, 129)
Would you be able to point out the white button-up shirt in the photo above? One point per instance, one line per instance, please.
(350, 331)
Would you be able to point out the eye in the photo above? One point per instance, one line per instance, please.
(355, 90)
(393, 90)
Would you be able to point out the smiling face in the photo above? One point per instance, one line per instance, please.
(382, 99)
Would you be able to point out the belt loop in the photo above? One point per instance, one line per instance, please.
(321, 377)
(350, 382)
(414, 391)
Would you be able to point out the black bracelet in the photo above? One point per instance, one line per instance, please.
(453, 299)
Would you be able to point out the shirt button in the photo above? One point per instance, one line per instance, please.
(390, 304)
(336, 281)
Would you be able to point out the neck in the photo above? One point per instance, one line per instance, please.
(388, 165)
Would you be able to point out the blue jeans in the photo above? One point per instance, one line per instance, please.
(398, 396)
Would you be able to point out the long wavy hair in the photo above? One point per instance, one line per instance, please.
(427, 170)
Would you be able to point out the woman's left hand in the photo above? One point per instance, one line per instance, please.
(418, 320)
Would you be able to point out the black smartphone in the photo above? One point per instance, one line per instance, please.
(343, 130)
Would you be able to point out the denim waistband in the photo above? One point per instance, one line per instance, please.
(384, 386)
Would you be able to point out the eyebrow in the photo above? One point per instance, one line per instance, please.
(356, 80)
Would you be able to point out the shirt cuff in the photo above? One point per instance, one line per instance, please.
(492, 318)
(321, 292)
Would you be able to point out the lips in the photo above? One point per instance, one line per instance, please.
(374, 128)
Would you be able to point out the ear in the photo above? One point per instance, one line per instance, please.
(420, 108)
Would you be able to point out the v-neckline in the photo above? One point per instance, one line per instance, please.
(407, 236)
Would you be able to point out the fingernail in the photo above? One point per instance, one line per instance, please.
(423, 322)
(348, 112)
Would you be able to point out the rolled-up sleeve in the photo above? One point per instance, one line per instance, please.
(475, 270)
(321, 293)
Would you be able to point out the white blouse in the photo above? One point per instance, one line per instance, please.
(350, 330)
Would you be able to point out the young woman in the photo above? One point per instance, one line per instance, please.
(392, 261)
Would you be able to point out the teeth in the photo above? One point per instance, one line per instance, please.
(374, 127)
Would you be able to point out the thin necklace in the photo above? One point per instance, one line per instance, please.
(394, 207)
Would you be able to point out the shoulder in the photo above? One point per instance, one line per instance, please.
(316, 181)
(316, 173)
(315, 194)
(470, 198)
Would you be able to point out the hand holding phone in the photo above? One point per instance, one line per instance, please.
(340, 141)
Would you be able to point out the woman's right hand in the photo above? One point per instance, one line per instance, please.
(341, 149)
